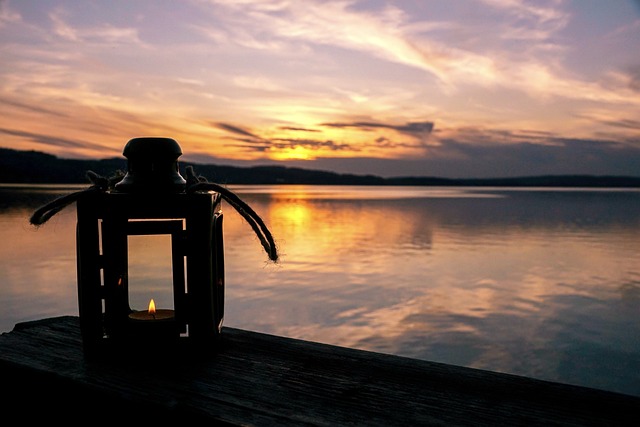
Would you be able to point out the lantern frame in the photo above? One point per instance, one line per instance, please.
(194, 223)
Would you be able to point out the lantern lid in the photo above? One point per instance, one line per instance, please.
(152, 166)
(150, 146)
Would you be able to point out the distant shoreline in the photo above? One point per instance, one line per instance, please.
(33, 167)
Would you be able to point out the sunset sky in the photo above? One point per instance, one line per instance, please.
(456, 88)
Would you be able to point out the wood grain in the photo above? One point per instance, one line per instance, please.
(264, 380)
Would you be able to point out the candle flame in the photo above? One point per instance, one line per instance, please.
(152, 307)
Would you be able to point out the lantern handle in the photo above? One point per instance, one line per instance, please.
(100, 184)
(200, 183)
(194, 183)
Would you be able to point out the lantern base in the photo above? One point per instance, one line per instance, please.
(152, 328)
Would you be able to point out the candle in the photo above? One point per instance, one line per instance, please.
(162, 314)
(152, 314)
(153, 324)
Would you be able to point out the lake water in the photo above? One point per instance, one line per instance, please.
(537, 282)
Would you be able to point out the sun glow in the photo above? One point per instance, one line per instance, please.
(293, 153)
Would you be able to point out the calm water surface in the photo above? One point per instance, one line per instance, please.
(537, 282)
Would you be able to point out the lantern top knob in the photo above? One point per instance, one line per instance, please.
(150, 146)
(152, 166)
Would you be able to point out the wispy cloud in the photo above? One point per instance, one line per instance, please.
(48, 140)
(298, 129)
(254, 142)
(235, 129)
(544, 19)
(312, 144)
(8, 15)
(368, 140)
(389, 33)
(103, 34)
(339, 24)
(34, 108)
(257, 83)
(624, 123)
(418, 130)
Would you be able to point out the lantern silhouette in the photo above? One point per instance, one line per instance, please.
(151, 199)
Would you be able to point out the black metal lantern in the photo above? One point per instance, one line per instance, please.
(150, 200)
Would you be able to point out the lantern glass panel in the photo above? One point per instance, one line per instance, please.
(150, 271)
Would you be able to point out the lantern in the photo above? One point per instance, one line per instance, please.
(151, 199)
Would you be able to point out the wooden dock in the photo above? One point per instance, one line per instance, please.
(257, 379)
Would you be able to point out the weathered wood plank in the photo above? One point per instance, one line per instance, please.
(263, 380)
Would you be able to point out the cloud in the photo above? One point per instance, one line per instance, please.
(559, 156)
(382, 33)
(7, 15)
(258, 143)
(33, 108)
(624, 123)
(244, 139)
(190, 82)
(312, 144)
(536, 14)
(256, 83)
(251, 146)
(523, 50)
(354, 143)
(52, 140)
(235, 130)
(104, 34)
(482, 137)
(418, 130)
(459, 159)
(476, 152)
(298, 129)
(634, 78)
(519, 152)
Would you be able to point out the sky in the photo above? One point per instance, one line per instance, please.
(456, 88)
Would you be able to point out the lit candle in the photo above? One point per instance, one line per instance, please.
(156, 325)
(152, 314)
